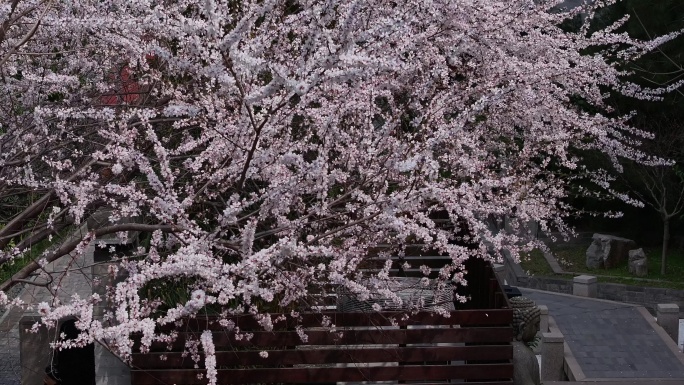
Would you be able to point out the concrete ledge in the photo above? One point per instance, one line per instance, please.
(543, 318)
(625, 381)
(668, 318)
(616, 303)
(667, 308)
(571, 367)
(585, 279)
(553, 262)
(553, 355)
(672, 345)
(585, 286)
(552, 337)
(513, 272)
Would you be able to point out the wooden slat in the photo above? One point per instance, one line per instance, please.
(486, 335)
(477, 383)
(482, 383)
(240, 362)
(407, 273)
(490, 317)
(409, 250)
(328, 374)
(415, 258)
(175, 360)
(427, 259)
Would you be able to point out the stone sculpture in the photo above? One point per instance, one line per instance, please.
(637, 263)
(526, 317)
(608, 251)
(525, 365)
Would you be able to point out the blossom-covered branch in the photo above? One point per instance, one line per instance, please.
(289, 139)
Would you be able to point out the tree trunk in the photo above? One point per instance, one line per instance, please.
(666, 239)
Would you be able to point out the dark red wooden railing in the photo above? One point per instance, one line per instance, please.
(474, 345)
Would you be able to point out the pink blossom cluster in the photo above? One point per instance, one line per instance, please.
(263, 148)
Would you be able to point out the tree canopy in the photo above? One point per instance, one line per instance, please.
(264, 148)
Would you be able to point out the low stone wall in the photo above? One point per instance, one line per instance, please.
(648, 297)
(511, 271)
(557, 285)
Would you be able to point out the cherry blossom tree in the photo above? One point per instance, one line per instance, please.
(266, 147)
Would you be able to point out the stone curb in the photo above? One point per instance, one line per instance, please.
(553, 263)
(621, 304)
(620, 381)
(672, 345)
(570, 364)
(574, 370)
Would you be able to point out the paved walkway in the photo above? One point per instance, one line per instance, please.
(610, 339)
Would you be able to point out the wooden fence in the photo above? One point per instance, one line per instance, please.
(472, 345)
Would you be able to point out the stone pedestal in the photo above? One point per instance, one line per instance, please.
(585, 286)
(668, 318)
(543, 318)
(553, 357)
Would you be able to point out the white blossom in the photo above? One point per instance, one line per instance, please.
(263, 156)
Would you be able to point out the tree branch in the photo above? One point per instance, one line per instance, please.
(70, 246)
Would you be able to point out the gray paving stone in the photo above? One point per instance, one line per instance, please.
(610, 340)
